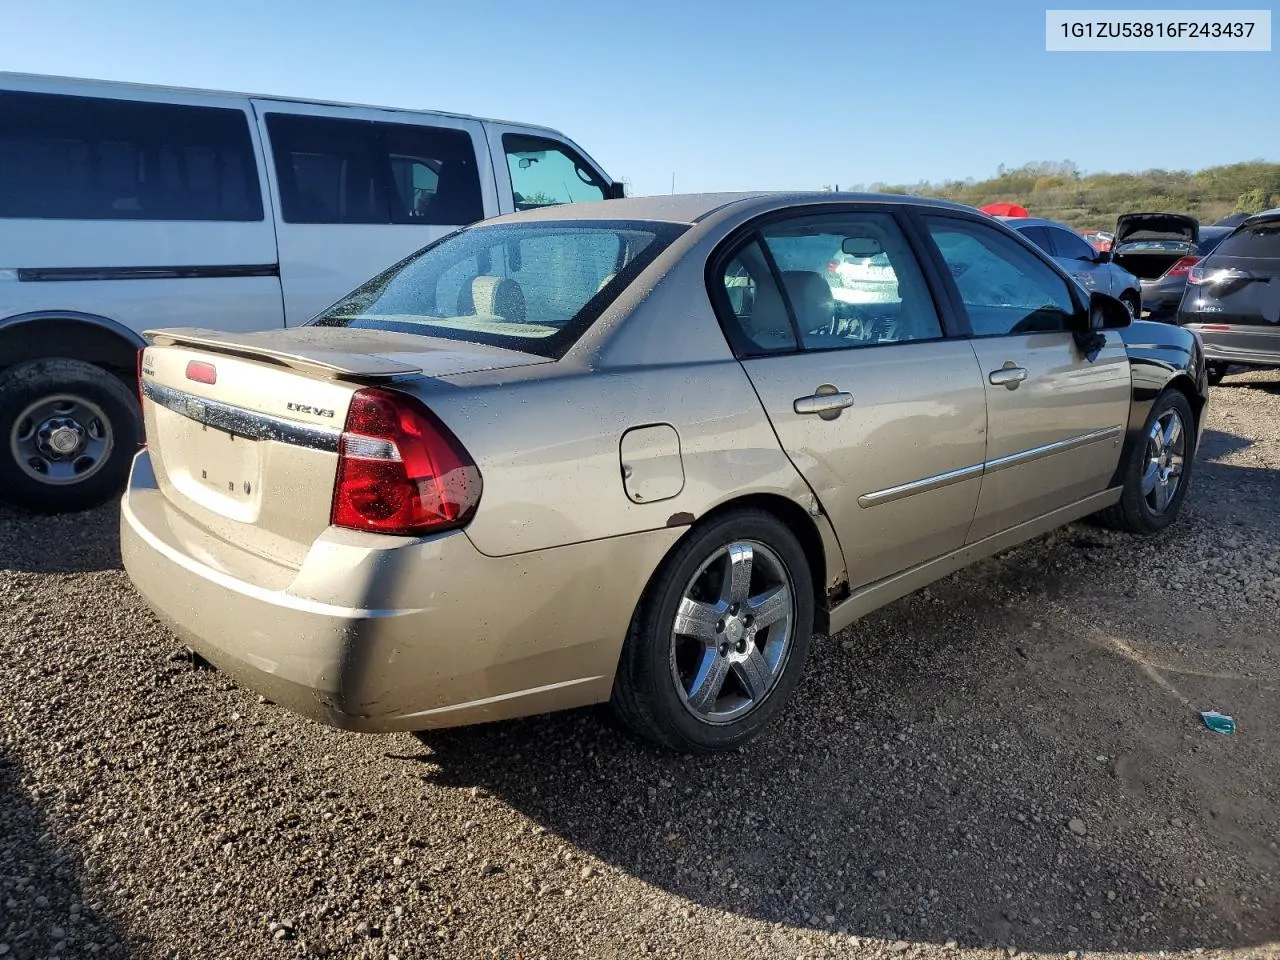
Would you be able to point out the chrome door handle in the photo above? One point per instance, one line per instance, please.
(826, 403)
(1008, 376)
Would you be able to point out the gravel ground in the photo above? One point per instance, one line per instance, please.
(1010, 762)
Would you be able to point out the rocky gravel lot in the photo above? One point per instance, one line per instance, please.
(1008, 763)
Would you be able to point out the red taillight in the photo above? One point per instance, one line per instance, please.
(400, 470)
(1182, 267)
(202, 372)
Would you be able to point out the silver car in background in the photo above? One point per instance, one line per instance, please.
(1090, 267)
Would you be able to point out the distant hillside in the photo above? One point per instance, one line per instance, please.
(1059, 191)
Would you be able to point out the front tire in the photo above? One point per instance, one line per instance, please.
(1133, 304)
(719, 640)
(68, 433)
(1158, 469)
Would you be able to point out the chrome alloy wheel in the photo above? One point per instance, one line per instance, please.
(61, 439)
(732, 632)
(1166, 454)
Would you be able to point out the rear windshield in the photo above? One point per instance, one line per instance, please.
(534, 287)
(1154, 246)
(1256, 241)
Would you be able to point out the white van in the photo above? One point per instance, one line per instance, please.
(124, 207)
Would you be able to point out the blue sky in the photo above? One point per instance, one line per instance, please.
(725, 95)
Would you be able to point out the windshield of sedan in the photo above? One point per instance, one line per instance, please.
(534, 287)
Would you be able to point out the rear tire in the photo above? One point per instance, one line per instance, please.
(68, 434)
(719, 640)
(1158, 470)
(1215, 372)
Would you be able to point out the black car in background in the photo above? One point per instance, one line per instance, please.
(1232, 297)
(1160, 249)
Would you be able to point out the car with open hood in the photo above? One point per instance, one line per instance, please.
(636, 451)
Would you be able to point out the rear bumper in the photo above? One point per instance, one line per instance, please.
(1246, 348)
(1160, 299)
(378, 633)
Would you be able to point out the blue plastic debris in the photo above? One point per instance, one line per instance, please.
(1219, 722)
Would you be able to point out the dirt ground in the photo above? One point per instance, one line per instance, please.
(1009, 762)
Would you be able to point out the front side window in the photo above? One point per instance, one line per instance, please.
(1006, 289)
(534, 287)
(546, 172)
(851, 280)
(90, 158)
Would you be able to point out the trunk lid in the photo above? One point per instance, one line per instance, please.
(243, 429)
(1136, 227)
(1238, 284)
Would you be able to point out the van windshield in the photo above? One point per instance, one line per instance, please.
(534, 287)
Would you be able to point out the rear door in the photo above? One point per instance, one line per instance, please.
(535, 168)
(1055, 418)
(1235, 297)
(1078, 258)
(882, 413)
(357, 190)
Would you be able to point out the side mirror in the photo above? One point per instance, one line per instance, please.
(615, 191)
(1102, 256)
(1107, 313)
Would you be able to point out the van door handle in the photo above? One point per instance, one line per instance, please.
(826, 402)
(1008, 376)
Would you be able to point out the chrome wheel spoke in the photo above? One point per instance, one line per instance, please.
(754, 673)
(709, 682)
(1173, 433)
(1150, 477)
(697, 619)
(768, 608)
(1175, 465)
(1162, 496)
(737, 574)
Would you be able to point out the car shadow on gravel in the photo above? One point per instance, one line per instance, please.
(65, 543)
(43, 909)
(1026, 777)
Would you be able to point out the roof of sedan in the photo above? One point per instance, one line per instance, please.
(693, 207)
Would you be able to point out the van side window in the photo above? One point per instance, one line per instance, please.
(546, 172)
(333, 170)
(433, 174)
(93, 158)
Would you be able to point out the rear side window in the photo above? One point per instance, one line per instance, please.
(1072, 246)
(1039, 236)
(1258, 241)
(546, 172)
(335, 170)
(534, 286)
(89, 158)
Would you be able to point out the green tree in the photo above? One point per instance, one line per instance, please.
(1252, 201)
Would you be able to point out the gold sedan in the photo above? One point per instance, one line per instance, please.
(637, 451)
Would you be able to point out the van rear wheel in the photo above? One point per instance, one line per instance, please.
(68, 433)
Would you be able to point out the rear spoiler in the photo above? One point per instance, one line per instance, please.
(331, 364)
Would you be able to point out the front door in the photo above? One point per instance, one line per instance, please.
(883, 414)
(1055, 417)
